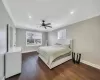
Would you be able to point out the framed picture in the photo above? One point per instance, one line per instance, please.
(33, 38)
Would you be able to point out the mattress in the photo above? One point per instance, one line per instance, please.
(50, 53)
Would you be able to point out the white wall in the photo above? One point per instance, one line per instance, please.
(4, 20)
(21, 40)
(86, 38)
(11, 37)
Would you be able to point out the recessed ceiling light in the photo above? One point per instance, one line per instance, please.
(30, 17)
(72, 12)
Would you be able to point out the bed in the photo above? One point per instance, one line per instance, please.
(55, 55)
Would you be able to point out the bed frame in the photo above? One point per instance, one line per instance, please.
(60, 61)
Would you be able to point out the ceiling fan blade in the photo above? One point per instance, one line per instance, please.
(45, 27)
(49, 26)
(40, 26)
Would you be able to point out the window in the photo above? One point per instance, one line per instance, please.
(62, 34)
(33, 38)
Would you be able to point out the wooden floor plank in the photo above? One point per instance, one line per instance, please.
(33, 68)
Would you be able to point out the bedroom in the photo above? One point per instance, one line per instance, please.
(72, 23)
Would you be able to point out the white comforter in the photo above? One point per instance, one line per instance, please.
(52, 52)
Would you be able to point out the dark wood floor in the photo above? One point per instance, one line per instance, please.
(34, 69)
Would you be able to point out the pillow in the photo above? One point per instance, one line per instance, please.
(67, 46)
(58, 44)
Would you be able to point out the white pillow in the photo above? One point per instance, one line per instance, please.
(58, 44)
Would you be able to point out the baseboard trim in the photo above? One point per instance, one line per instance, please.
(91, 64)
(28, 51)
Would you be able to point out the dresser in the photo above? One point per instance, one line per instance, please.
(13, 62)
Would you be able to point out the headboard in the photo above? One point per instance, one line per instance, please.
(65, 41)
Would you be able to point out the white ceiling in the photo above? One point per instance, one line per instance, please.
(60, 13)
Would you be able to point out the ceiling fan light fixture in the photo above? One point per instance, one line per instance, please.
(72, 12)
(45, 25)
(30, 17)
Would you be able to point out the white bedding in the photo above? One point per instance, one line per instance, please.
(52, 52)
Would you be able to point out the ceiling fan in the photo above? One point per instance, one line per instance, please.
(45, 25)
